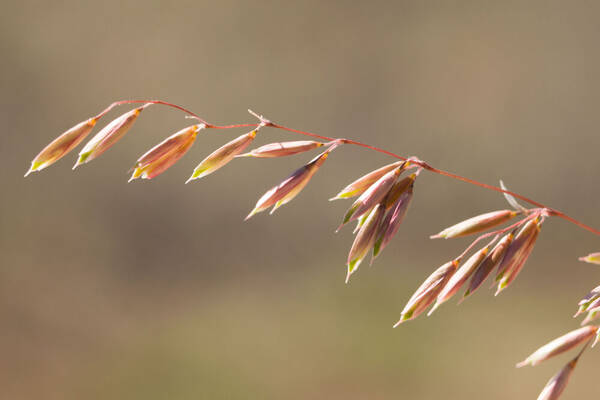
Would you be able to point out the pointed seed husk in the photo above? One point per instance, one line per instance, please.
(290, 187)
(560, 345)
(360, 185)
(476, 224)
(282, 149)
(364, 239)
(428, 291)
(62, 145)
(490, 262)
(108, 136)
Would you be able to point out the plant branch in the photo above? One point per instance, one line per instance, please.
(421, 163)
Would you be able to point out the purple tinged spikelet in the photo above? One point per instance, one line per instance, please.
(398, 189)
(476, 224)
(428, 291)
(560, 345)
(392, 221)
(490, 262)
(365, 238)
(557, 384)
(108, 136)
(372, 196)
(522, 254)
(515, 249)
(291, 186)
(162, 156)
(460, 277)
(360, 185)
(62, 145)
(587, 300)
(282, 149)
(222, 155)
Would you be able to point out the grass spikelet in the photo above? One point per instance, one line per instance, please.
(291, 186)
(560, 345)
(490, 262)
(514, 267)
(557, 384)
(477, 224)
(62, 145)
(392, 221)
(460, 277)
(282, 149)
(516, 248)
(428, 291)
(162, 156)
(373, 195)
(108, 136)
(222, 155)
(587, 300)
(360, 185)
(365, 238)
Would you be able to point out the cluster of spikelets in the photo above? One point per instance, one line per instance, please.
(162, 156)
(383, 196)
(507, 253)
(590, 304)
(382, 200)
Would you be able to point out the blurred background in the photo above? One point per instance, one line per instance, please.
(156, 289)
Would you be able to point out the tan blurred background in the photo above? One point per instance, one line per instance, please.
(156, 290)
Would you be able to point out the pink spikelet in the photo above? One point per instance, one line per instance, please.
(108, 136)
(291, 186)
(62, 145)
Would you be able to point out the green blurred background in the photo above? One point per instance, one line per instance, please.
(156, 290)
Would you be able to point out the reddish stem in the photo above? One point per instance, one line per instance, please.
(422, 164)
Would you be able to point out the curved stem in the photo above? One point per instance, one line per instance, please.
(421, 163)
(164, 103)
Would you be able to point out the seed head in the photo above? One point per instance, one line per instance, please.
(222, 155)
(428, 291)
(516, 247)
(521, 255)
(460, 277)
(392, 221)
(489, 263)
(372, 196)
(398, 189)
(108, 136)
(587, 300)
(365, 238)
(360, 185)
(282, 149)
(557, 384)
(60, 146)
(476, 224)
(560, 345)
(290, 187)
(162, 156)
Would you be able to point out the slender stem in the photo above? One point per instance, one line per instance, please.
(164, 103)
(421, 163)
